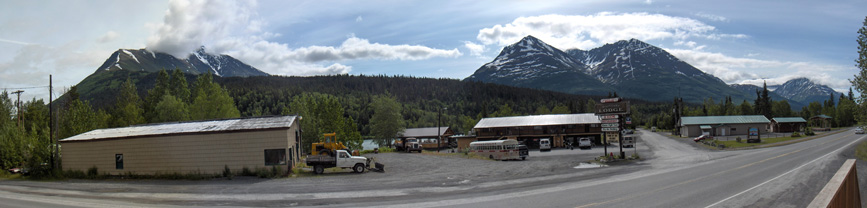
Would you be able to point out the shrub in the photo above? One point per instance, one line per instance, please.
(227, 173)
(796, 134)
(809, 132)
(246, 172)
(738, 139)
(92, 172)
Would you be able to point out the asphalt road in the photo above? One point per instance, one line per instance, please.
(683, 176)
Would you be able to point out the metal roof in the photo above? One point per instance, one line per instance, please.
(424, 132)
(823, 116)
(699, 120)
(187, 127)
(789, 120)
(538, 120)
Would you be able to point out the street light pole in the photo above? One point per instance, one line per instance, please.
(439, 137)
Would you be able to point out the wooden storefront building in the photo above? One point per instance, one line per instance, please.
(428, 136)
(529, 129)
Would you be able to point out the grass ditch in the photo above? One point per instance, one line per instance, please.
(861, 151)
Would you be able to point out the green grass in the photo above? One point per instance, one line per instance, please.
(736, 144)
(861, 151)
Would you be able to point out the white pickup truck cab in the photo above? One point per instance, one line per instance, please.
(341, 159)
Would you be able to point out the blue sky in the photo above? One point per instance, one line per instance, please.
(738, 41)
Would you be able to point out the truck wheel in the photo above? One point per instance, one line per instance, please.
(359, 168)
(318, 169)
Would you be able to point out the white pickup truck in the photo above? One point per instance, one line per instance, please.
(342, 159)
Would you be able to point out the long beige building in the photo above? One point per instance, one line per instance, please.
(204, 147)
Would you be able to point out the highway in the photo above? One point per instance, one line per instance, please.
(684, 176)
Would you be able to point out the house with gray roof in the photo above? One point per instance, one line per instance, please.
(693, 126)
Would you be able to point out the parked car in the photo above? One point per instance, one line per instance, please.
(544, 145)
(859, 130)
(628, 141)
(653, 129)
(628, 131)
(702, 137)
(584, 143)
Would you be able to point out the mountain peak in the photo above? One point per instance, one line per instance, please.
(805, 90)
(196, 63)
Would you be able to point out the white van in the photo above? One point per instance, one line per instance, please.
(544, 145)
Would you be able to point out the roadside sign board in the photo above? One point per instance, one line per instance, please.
(610, 100)
(628, 120)
(610, 116)
(614, 129)
(612, 108)
(611, 125)
(610, 121)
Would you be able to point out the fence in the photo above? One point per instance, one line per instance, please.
(842, 190)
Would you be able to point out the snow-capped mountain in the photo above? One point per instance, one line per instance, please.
(196, 63)
(534, 64)
(630, 67)
(805, 91)
(751, 90)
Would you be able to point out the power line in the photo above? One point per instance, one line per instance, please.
(22, 88)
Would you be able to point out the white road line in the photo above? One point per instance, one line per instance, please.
(786, 173)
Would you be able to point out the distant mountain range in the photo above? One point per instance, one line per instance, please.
(196, 63)
(632, 68)
(805, 91)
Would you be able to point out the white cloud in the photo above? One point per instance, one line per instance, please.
(108, 37)
(474, 48)
(359, 19)
(13, 42)
(648, 2)
(712, 17)
(756, 71)
(234, 28)
(577, 31)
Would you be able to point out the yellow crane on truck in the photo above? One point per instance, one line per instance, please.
(328, 145)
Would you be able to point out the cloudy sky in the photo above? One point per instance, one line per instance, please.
(738, 41)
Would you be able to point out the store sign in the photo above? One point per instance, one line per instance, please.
(610, 116)
(612, 108)
(610, 100)
(610, 121)
(615, 129)
(611, 125)
(628, 120)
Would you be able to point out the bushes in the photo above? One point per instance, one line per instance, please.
(381, 150)
(796, 134)
(92, 172)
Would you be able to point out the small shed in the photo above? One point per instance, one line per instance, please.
(788, 124)
(821, 122)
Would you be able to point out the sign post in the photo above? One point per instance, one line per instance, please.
(612, 111)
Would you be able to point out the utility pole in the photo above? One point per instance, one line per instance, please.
(18, 106)
(51, 121)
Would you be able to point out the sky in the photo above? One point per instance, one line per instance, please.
(741, 42)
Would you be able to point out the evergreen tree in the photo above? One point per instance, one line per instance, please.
(127, 110)
(161, 87)
(560, 109)
(851, 95)
(745, 108)
(179, 86)
(211, 100)
(763, 102)
(386, 121)
(171, 109)
(860, 79)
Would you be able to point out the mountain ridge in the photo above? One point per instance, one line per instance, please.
(196, 63)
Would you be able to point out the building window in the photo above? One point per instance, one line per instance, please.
(734, 129)
(275, 156)
(118, 161)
